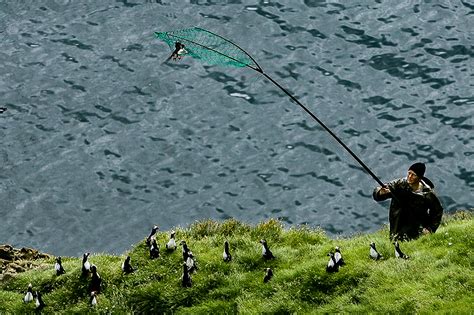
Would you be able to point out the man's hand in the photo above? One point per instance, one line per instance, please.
(383, 191)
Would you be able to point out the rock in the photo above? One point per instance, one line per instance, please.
(28, 253)
(3, 262)
(16, 267)
(6, 252)
(13, 260)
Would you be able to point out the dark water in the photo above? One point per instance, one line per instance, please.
(101, 140)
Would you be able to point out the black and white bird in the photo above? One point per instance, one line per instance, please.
(266, 252)
(93, 298)
(191, 263)
(338, 257)
(2, 110)
(332, 266)
(268, 275)
(39, 301)
(374, 254)
(186, 277)
(398, 252)
(226, 255)
(179, 51)
(29, 294)
(58, 266)
(171, 245)
(86, 266)
(154, 249)
(126, 266)
(150, 236)
(96, 280)
(185, 250)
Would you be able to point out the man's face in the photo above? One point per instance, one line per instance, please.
(412, 178)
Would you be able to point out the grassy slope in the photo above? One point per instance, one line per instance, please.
(438, 277)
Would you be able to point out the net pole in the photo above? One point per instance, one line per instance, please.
(255, 66)
(366, 168)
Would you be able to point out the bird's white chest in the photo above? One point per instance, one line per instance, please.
(190, 262)
(331, 263)
(28, 297)
(171, 244)
(373, 253)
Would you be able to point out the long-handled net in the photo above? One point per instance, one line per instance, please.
(217, 50)
(209, 47)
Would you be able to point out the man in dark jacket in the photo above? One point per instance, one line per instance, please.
(415, 209)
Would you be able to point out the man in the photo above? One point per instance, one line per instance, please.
(415, 209)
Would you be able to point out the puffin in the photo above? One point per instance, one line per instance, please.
(185, 250)
(186, 277)
(150, 236)
(374, 254)
(266, 252)
(39, 301)
(126, 266)
(398, 252)
(268, 275)
(226, 255)
(96, 280)
(191, 263)
(58, 266)
(93, 299)
(86, 266)
(332, 266)
(171, 245)
(338, 257)
(29, 294)
(154, 250)
(179, 51)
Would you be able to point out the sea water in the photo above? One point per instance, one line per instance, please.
(102, 138)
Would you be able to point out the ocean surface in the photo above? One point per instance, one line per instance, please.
(102, 138)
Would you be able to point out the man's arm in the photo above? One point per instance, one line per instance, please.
(384, 193)
(381, 193)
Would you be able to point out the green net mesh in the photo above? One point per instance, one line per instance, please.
(208, 47)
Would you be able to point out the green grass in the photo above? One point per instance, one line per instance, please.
(438, 277)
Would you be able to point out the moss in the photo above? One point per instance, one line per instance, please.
(438, 277)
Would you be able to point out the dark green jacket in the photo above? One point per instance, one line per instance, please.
(410, 211)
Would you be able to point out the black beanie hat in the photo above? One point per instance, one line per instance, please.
(419, 169)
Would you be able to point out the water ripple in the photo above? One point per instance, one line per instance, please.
(396, 66)
(333, 181)
(316, 3)
(117, 61)
(346, 83)
(456, 50)
(73, 42)
(363, 39)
